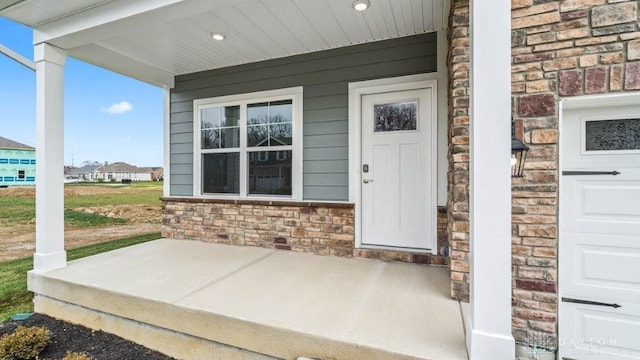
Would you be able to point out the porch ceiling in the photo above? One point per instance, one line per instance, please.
(154, 40)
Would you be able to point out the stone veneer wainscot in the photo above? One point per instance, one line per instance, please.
(321, 228)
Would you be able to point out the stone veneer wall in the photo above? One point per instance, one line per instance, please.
(458, 154)
(314, 227)
(559, 49)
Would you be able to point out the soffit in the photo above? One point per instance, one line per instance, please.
(174, 39)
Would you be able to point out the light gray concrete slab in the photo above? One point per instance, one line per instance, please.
(402, 308)
(279, 303)
(163, 270)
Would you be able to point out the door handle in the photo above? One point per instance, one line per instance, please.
(366, 181)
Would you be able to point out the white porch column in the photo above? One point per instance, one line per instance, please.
(50, 253)
(166, 172)
(489, 328)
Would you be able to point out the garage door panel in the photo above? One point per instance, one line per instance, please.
(599, 234)
(571, 239)
(612, 266)
(610, 200)
(607, 269)
(602, 206)
(597, 270)
(602, 334)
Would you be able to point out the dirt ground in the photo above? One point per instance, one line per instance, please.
(19, 241)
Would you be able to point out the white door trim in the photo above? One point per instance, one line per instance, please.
(578, 102)
(356, 90)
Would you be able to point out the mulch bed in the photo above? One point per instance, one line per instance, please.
(97, 344)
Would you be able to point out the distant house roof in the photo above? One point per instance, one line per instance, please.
(84, 169)
(120, 167)
(10, 144)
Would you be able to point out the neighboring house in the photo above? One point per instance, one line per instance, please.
(315, 128)
(17, 163)
(156, 172)
(86, 172)
(119, 171)
(112, 172)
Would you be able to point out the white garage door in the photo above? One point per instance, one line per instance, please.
(600, 233)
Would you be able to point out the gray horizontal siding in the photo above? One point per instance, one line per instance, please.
(325, 78)
(328, 193)
(181, 145)
(332, 153)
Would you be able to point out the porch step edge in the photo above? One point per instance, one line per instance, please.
(171, 343)
(60, 299)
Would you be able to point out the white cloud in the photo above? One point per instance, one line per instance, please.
(119, 108)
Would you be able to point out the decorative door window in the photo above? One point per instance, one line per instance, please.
(399, 116)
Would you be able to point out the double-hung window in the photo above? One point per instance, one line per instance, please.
(249, 145)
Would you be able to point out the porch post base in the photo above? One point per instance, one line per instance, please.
(482, 345)
(47, 262)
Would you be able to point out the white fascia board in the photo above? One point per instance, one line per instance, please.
(122, 64)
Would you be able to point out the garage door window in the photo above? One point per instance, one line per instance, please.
(612, 135)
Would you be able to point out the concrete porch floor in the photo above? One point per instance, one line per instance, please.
(187, 298)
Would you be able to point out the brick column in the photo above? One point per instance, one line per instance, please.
(458, 154)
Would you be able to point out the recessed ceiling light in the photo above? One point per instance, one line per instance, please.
(361, 5)
(217, 36)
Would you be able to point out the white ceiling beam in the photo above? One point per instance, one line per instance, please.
(5, 4)
(96, 17)
(111, 60)
(116, 18)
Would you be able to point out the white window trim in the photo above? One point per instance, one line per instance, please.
(294, 93)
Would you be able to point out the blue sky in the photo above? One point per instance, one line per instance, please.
(108, 117)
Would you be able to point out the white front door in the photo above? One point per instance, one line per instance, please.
(398, 169)
(600, 234)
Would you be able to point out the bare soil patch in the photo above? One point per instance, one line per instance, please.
(106, 189)
(71, 190)
(145, 214)
(18, 241)
(24, 245)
